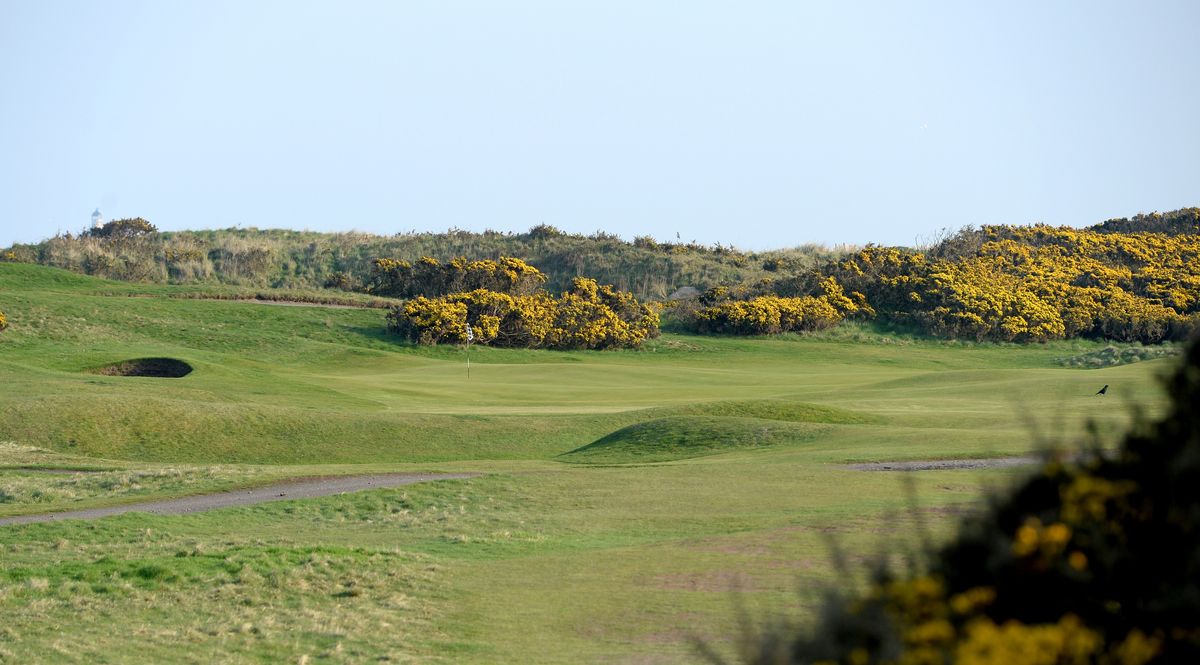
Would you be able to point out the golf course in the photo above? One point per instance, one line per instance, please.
(611, 506)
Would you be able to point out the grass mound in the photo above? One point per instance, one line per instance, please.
(682, 437)
(162, 368)
(770, 409)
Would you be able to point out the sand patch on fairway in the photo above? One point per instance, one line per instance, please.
(944, 464)
(301, 488)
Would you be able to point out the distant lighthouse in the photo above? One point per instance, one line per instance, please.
(97, 219)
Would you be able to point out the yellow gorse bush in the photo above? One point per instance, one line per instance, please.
(766, 315)
(588, 316)
(934, 629)
(1066, 642)
(1090, 498)
(1033, 538)
(431, 278)
(1038, 283)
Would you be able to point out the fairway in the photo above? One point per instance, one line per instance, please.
(627, 502)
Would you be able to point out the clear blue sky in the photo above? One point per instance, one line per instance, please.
(761, 124)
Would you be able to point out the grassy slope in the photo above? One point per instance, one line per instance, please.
(537, 562)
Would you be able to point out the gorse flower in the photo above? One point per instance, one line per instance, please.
(588, 316)
(1036, 283)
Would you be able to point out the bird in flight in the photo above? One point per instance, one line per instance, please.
(1104, 390)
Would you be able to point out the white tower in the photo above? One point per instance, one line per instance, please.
(97, 219)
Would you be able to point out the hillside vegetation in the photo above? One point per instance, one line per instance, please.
(306, 260)
(1026, 284)
(1131, 279)
(1038, 283)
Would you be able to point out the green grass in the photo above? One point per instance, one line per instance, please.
(683, 437)
(624, 495)
(769, 409)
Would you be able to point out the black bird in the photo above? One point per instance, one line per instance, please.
(1104, 390)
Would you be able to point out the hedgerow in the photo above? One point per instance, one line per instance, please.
(1093, 561)
(587, 316)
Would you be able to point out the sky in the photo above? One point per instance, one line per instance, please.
(754, 124)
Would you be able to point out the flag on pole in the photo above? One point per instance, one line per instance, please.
(470, 338)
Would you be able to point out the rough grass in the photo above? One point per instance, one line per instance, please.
(233, 601)
(34, 480)
(1111, 356)
(799, 412)
(26, 491)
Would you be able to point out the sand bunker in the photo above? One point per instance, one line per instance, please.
(164, 368)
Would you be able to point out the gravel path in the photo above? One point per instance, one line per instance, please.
(937, 465)
(302, 488)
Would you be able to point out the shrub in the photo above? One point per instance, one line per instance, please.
(3, 322)
(123, 229)
(545, 231)
(768, 315)
(430, 321)
(432, 278)
(1095, 561)
(588, 316)
(342, 281)
(1031, 284)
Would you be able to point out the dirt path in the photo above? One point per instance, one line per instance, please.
(938, 465)
(302, 488)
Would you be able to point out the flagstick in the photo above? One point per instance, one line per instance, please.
(470, 336)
